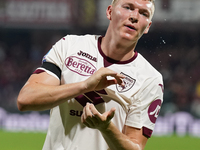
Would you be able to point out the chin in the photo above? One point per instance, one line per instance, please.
(128, 37)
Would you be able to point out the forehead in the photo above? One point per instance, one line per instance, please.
(152, 1)
(144, 4)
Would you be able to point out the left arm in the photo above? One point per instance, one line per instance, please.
(130, 139)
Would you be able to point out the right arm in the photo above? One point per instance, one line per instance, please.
(43, 91)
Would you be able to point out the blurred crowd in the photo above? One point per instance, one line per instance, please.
(175, 55)
(21, 52)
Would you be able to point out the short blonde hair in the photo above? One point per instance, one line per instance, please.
(114, 1)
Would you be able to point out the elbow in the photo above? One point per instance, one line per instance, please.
(21, 104)
(20, 107)
(138, 147)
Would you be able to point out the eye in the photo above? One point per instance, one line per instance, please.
(144, 13)
(127, 7)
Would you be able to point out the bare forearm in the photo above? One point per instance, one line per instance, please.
(38, 96)
(43, 91)
(117, 140)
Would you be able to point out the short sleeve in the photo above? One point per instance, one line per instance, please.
(145, 109)
(53, 61)
(56, 53)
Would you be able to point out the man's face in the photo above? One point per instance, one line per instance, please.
(130, 19)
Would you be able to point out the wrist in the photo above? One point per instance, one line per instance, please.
(86, 86)
(83, 87)
(106, 128)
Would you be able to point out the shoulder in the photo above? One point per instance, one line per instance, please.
(147, 68)
(72, 41)
(72, 38)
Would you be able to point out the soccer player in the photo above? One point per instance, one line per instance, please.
(102, 93)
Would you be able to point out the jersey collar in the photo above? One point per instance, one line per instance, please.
(109, 61)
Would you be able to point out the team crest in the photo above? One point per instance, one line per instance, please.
(128, 81)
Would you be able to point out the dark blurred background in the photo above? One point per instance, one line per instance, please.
(28, 29)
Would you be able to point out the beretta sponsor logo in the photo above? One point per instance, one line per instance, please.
(80, 66)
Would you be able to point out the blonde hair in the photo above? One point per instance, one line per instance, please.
(114, 1)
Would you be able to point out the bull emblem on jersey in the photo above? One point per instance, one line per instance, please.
(128, 81)
(154, 110)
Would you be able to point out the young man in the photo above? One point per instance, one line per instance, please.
(101, 92)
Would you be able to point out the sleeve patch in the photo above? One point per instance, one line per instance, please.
(154, 110)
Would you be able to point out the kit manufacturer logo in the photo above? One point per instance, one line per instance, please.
(81, 53)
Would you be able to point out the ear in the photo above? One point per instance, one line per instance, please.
(108, 12)
(147, 28)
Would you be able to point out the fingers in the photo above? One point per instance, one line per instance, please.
(111, 114)
(109, 72)
(88, 118)
(93, 119)
(118, 77)
(99, 80)
(95, 112)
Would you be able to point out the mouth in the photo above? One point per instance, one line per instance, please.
(131, 27)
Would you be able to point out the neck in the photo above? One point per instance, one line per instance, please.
(118, 49)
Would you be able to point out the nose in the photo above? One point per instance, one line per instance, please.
(134, 16)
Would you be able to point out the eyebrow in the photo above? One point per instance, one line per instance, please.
(149, 11)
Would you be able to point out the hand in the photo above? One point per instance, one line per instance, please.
(99, 81)
(93, 119)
